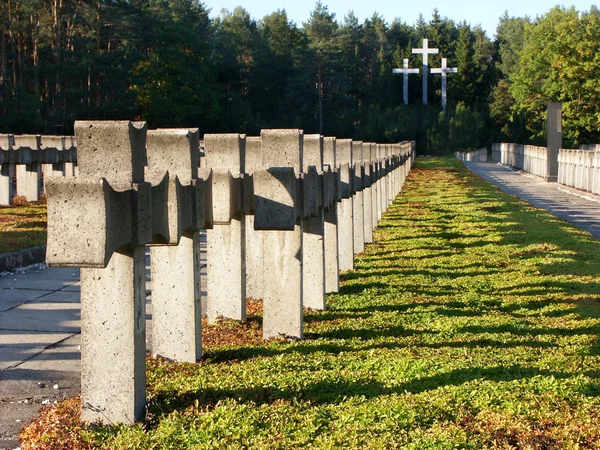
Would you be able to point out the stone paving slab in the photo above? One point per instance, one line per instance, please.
(12, 417)
(43, 316)
(11, 298)
(26, 388)
(19, 346)
(578, 208)
(39, 344)
(62, 296)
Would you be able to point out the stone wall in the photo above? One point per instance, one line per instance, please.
(577, 168)
(580, 169)
(480, 155)
(529, 158)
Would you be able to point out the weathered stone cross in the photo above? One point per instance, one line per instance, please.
(444, 70)
(425, 51)
(405, 71)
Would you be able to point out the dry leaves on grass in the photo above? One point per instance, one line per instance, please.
(227, 332)
(57, 428)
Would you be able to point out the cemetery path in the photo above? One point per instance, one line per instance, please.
(39, 344)
(580, 209)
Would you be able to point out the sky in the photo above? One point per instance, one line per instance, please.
(476, 12)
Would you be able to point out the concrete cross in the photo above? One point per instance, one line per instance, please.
(405, 71)
(425, 51)
(444, 70)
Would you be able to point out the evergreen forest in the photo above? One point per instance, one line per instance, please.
(169, 63)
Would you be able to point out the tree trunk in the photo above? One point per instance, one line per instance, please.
(320, 84)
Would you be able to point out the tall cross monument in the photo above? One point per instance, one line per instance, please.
(444, 70)
(405, 71)
(425, 51)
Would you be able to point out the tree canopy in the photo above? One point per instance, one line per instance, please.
(169, 63)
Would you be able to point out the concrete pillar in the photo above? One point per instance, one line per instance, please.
(313, 245)
(226, 242)
(554, 139)
(374, 185)
(6, 193)
(367, 194)
(113, 339)
(380, 175)
(175, 268)
(383, 184)
(254, 238)
(357, 198)
(332, 262)
(390, 175)
(100, 222)
(345, 207)
(176, 314)
(28, 170)
(276, 201)
(6, 185)
(47, 172)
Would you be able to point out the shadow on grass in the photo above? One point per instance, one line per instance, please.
(335, 391)
(335, 348)
(518, 231)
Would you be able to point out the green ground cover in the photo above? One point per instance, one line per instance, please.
(22, 227)
(473, 322)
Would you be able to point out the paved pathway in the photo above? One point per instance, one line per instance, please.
(39, 344)
(39, 311)
(579, 208)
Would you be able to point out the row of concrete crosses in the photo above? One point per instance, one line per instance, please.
(444, 71)
(286, 210)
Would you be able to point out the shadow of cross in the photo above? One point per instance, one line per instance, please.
(331, 199)
(313, 245)
(278, 210)
(345, 206)
(225, 253)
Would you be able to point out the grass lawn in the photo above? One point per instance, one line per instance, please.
(473, 322)
(22, 227)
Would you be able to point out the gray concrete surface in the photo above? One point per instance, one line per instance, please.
(579, 208)
(39, 344)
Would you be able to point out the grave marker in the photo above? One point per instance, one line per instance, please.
(332, 262)
(175, 268)
(277, 211)
(100, 222)
(226, 241)
(313, 246)
(357, 197)
(345, 206)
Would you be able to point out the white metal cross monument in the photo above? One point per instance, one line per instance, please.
(425, 51)
(444, 71)
(405, 71)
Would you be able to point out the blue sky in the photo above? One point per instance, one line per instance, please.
(483, 12)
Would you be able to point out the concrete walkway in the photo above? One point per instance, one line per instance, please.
(39, 344)
(39, 310)
(579, 208)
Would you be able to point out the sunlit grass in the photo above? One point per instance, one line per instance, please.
(472, 322)
(22, 227)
